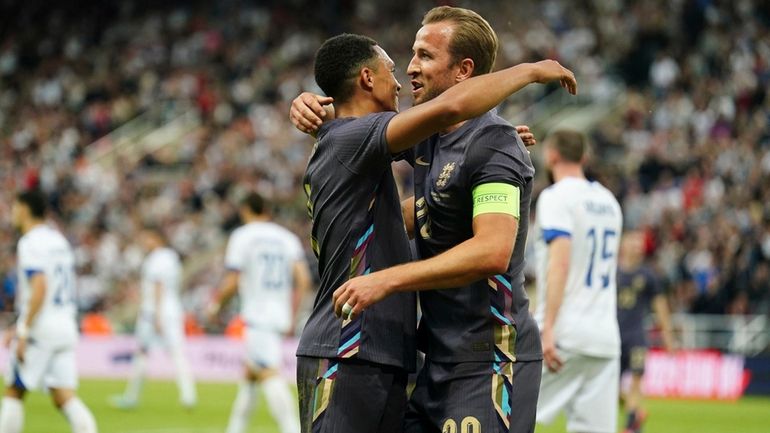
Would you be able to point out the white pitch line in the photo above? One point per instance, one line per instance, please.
(174, 430)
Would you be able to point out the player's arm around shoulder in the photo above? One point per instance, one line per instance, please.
(471, 97)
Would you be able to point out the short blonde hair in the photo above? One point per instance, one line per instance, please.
(473, 38)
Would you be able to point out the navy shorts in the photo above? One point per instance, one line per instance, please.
(350, 396)
(475, 397)
(632, 358)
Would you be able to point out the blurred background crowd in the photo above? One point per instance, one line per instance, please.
(685, 144)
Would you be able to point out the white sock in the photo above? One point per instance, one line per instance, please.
(243, 406)
(11, 415)
(184, 378)
(134, 385)
(79, 416)
(281, 404)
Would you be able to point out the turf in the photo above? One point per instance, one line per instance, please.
(160, 413)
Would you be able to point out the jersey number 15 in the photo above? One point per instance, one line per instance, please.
(599, 244)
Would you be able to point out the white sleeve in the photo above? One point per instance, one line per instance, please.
(30, 261)
(295, 249)
(234, 257)
(155, 270)
(553, 216)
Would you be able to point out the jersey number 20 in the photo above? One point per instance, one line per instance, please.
(64, 292)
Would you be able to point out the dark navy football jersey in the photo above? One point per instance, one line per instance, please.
(489, 319)
(357, 229)
(636, 290)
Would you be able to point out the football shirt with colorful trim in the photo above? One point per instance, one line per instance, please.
(357, 229)
(480, 167)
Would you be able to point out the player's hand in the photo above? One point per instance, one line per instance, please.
(21, 348)
(550, 354)
(550, 70)
(359, 293)
(526, 136)
(307, 111)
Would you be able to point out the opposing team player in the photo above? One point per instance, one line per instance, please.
(160, 320)
(43, 349)
(358, 229)
(266, 266)
(638, 290)
(579, 223)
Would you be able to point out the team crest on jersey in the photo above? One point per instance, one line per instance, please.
(446, 173)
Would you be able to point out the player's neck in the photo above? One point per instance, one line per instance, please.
(358, 106)
(257, 219)
(30, 225)
(568, 170)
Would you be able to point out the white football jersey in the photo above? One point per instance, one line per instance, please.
(44, 250)
(162, 266)
(590, 215)
(264, 253)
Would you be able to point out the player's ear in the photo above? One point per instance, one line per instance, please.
(465, 70)
(366, 78)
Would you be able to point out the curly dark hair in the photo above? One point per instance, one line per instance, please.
(338, 62)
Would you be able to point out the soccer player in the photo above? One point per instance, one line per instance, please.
(638, 289)
(266, 266)
(342, 166)
(160, 320)
(43, 350)
(579, 223)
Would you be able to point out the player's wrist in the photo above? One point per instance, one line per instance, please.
(22, 331)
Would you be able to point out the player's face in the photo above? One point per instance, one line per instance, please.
(18, 211)
(432, 67)
(632, 246)
(386, 87)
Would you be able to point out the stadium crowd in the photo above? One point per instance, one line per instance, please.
(687, 150)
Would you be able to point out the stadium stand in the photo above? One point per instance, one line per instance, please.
(682, 134)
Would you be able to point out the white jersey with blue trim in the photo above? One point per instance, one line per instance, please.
(591, 217)
(264, 253)
(43, 250)
(162, 266)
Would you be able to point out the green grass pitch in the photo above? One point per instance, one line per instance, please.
(159, 412)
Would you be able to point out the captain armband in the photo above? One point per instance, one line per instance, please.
(496, 198)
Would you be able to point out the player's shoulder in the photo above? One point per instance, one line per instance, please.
(353, 127)
(490, 124)
(43, 236)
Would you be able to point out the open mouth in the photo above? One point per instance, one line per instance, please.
(416, 85)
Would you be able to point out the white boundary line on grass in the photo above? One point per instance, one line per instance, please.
(175, 430)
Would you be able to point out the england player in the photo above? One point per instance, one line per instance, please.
(266, 266)
(638, 290)
(160, 320)
(358, 230)
(43, 350)
(579, 223)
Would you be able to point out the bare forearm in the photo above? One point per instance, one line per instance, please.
(462, 265)
(480, 94)
(35, 302)
(663, 315)
(556, 279)
(227, 290)
(554, 296)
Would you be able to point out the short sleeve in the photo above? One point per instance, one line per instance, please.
(30, 262)
(156, 268)
(296, 253)
(361, 145)
(553, 218)
(234, 256)
(497, 155)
